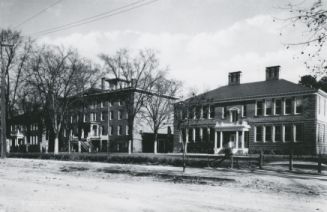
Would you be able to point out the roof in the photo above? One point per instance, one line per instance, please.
(255, 89)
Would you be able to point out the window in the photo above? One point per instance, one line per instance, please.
(71, 119)
(198, 112)
(197, 134)
(234, 116)
(205, 112)
(104, 132)
(299, 105)
(243, 110)
(111, 117)
(259, 133)
(84, 118)
(212, 111)
(91, 116)
(278, 133)
(268, 133)
(119, 130)
(259, 108)
(268, 107)
(127, 133)
(190, 113)
(299, 132)
(119, 115)
(111, 130)
(101, 116)
(101, 104)
(288, 133)
(278, 107)
(184, 114)
(288, 106)
(121, 102)
(109, 103)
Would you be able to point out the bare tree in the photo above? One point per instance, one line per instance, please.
(159, 108)
(313, 20)
(187, 113)
(14, 60)
(142, 71)
(56, 75)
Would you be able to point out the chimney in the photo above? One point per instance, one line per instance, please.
(234, 78)
(272, 73)
(103, 80)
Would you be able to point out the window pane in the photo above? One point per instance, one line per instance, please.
(268, 107)
(259, 133)
(278, 133)
(212, 111)
(299, 132)
(288, 133)
(278, 106)
(299, 105)
(288, 106)
(259, 108)
(268, 133)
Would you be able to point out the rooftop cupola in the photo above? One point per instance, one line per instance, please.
(272, 73)
(234, 78)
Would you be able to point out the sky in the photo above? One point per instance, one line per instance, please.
(201, 41)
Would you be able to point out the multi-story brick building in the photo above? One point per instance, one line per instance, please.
(99, 120)
(274, 115)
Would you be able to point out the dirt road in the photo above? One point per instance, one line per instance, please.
(36, 185)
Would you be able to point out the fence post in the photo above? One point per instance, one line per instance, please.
(290, 166)
(260, 159)
(319, 163)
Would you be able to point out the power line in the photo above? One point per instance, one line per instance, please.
(113, 12)
(37, 14)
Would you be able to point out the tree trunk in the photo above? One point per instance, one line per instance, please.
(56, 144)
(155, 145)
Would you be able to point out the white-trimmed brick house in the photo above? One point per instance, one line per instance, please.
(274, 115)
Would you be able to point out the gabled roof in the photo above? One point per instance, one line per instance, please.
(254, 90)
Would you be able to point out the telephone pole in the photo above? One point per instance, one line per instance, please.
(3, 126)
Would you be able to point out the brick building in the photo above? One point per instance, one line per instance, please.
(274, 115)
(94, 117)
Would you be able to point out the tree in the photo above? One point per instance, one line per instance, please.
(187, 113)
(309, 81)
(56, 75)
(14, 57)
(158, 109)
(313, 17)
(142, 71)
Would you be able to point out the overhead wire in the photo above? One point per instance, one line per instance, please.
(110, 13)
(37, 14)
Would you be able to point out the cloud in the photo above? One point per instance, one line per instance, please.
(201, 59)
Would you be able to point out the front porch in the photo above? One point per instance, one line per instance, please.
(232, 135)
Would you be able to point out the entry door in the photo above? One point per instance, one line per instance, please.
(232, 140)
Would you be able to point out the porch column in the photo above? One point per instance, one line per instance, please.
(201, 133)
(193, 135)
(82, 133)
(236, 139)
(180, 139)
(79, 146)
(215, 144)
(221, 139)
(283, 133)
(242, 139)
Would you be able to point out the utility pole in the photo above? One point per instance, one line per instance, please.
(3, 126)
